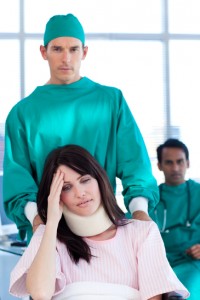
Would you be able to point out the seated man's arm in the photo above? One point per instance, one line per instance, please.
(194, 251)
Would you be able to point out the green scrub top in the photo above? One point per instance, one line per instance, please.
(179, 208)
(84, 113)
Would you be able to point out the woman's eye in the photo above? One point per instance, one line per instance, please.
(86, 179)
(66, 188)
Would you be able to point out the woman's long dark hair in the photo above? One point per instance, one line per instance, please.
(82, 162)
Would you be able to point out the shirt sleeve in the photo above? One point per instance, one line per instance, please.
(155, 276)
(19, 273)
(17, 173)
(133, 163)
(138, 203)
(30, 211)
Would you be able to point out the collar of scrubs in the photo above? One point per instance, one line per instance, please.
(188, 218)
(86, 226)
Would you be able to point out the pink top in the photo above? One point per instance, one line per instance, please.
(134, 257)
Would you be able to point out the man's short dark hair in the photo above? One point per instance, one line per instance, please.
(172, 143)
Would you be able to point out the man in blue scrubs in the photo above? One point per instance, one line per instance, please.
(178, 214)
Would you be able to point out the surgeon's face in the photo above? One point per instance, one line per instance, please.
(174, 165)
(64, 55)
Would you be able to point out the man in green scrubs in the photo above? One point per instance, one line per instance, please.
(70, 109)
(178, 215)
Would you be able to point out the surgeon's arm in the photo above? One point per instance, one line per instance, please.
(158, 297)
(133, 163)
(19, 186)
(32, 215)
(139, 209)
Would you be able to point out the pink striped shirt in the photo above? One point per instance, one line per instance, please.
(135, 257)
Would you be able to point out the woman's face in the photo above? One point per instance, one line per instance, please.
(80, 194)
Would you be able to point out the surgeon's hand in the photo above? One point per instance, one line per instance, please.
(36, 222)
(141, 215)
(194, 251)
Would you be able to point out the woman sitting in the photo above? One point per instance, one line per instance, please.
(87, 249)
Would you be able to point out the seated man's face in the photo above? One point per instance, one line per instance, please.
(174, 165)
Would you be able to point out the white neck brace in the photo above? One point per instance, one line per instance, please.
(86, 226)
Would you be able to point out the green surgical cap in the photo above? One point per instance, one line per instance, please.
(63, 26)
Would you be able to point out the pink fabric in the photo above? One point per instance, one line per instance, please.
(134, 257)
